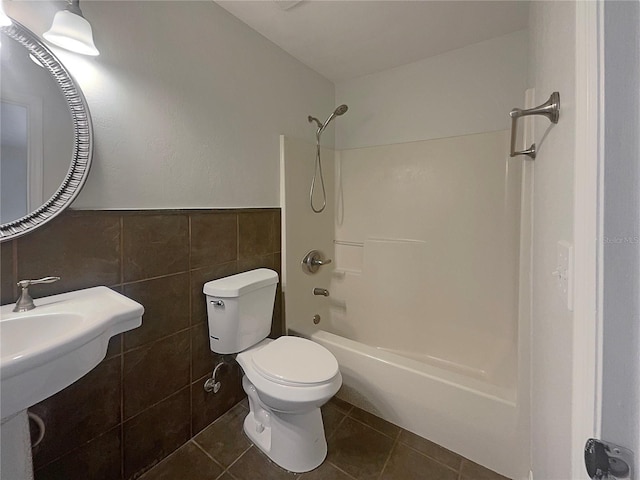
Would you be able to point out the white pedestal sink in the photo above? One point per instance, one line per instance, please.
(45, 350)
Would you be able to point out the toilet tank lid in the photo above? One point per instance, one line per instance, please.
(241, 283)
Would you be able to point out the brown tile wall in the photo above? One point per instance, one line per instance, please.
(146, 398)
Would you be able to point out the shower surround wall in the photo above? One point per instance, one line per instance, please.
(461, 92)
(145, 399)
(426, 245)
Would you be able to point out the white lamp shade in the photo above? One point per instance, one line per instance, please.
(71, 32)
(4, 18)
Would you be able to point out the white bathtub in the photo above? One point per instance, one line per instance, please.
(469, 416)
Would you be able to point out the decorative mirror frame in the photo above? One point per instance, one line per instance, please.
(82, 130)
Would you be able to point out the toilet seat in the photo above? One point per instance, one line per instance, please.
(282, 395)
(295, 361)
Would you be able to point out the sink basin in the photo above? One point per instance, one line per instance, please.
(33, 331)
(45, 350)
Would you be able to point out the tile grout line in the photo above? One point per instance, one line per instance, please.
(337, 427)
(121, 222)
(237, 459)
(396, 439)
(179, 272)
(237, 237)
(219, 419)
(159, 339)
(122, 442)
(190, 288)
(227, 472)
(208, 455)
(397, 435)
(386, 462)
(122, 455)
(157, 277)
(350, 409)
(156, 404)
(74, 449)
(14, 268)
(340, 470)
(439, 462)
(165, 459)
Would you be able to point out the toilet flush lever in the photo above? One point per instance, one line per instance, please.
(217, 303)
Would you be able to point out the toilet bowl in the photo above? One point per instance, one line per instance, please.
(287, 379)
(284, 420)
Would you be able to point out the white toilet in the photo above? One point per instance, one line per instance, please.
(287, 379)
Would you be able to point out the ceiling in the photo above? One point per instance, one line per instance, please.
(348, 39)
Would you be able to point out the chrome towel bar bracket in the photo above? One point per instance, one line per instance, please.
(550, 109)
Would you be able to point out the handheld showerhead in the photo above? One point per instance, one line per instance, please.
(341, 110)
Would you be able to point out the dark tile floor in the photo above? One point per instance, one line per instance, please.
(361, 446)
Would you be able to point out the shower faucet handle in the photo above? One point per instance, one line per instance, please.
(313, 260)
(320, 262)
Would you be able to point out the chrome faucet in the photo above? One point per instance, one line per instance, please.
(321, 291)
(25, 302)
(313, 260)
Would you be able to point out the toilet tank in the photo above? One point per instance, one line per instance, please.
(239, 309)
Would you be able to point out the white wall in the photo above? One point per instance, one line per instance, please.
(187, 103)
(465, 91)
(552, 68)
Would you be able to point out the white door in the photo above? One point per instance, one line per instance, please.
(555, 48)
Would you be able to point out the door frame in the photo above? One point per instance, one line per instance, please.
(588, 231)
(35, 145)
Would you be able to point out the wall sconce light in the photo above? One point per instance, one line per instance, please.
(71, 31)
(4, 18)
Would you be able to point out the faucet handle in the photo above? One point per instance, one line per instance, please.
(316, 261)
(26, 283)
(313, 260)
(25, 302)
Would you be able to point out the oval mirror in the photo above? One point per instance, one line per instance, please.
(46, 134)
